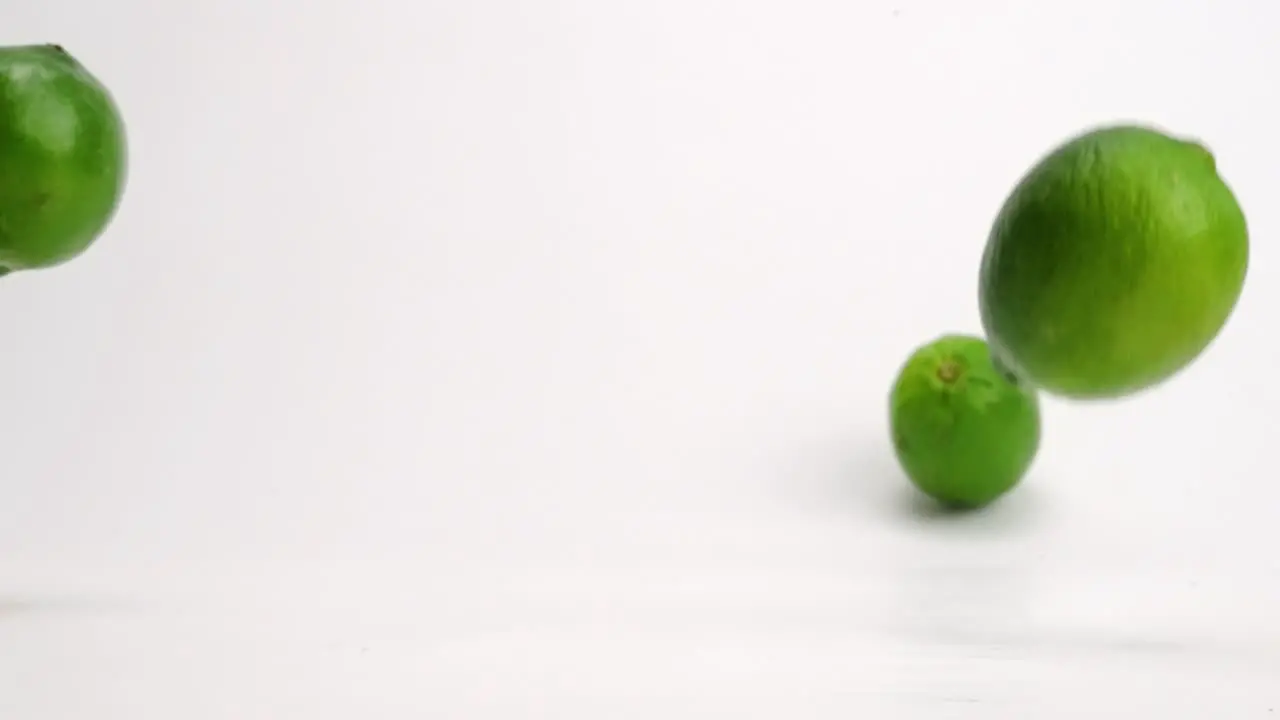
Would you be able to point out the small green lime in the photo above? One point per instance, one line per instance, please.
(964, 430)
(1113, 264)
(62, 157)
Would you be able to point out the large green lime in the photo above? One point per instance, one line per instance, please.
(1113, 264)
(62, 157)
(964, 431)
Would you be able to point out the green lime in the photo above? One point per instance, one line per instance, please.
(62, 157)
(1113, 264)
(964, 430)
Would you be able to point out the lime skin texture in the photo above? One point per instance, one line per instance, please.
(964, 431)
(1113, 264)
(62, 157)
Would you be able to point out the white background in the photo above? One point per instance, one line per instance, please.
(497, 359)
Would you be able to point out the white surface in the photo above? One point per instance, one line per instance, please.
(529, 360)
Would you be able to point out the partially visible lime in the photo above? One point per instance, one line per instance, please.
(964, 430)
(1113, 264)
(62, 157)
